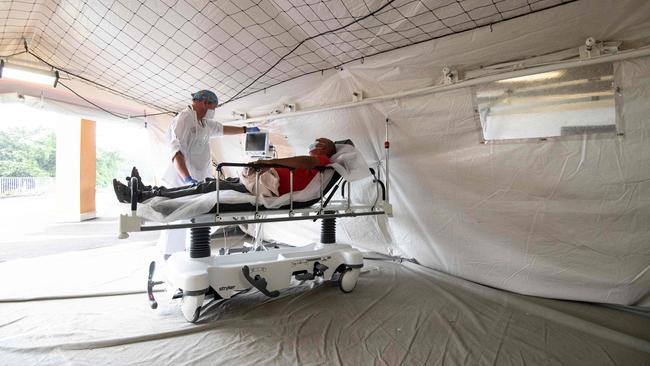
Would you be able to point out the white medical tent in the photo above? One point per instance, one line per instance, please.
(507, 246)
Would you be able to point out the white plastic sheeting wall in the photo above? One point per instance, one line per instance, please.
(566, 218)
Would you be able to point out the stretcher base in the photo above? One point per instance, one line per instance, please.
(268, 271)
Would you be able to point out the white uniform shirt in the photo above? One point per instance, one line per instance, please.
(192, 138)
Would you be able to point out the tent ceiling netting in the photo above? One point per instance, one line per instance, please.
(157, 52)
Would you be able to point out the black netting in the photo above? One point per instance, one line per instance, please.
(158, 52)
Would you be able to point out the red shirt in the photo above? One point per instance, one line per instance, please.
(301, 177)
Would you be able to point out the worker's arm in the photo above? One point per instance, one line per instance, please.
(233, 130)
(179, 164)
(301, 162)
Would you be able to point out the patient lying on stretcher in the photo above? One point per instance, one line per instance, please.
(320, 153)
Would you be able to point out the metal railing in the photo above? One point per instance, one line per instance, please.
(24, 186)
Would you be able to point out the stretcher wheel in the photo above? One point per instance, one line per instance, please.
(191, 307)
(348, 279)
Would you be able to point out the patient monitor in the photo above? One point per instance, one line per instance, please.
(257, 144)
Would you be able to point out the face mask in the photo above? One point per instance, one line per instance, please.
(209, 114)
(312, 146)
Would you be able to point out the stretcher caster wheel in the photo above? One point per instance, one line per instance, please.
(191, 307)
(348, 279)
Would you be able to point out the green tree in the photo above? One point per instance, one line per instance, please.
(27, 153)
(107, 164)
(32, 153)
(45, 154)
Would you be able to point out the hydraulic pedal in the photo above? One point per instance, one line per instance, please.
(259, 283)
(150, 284)
(319, 269)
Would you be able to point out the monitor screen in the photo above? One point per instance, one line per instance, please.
(257, 143)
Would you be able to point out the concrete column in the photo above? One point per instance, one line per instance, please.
(76, 171)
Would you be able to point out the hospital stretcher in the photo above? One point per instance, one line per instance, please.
(198, 274)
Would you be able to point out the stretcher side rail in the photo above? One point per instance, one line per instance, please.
(257, 167)
(336, 209)
(256, 220)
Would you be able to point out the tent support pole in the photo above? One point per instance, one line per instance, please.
(641, 52)
(386, 149)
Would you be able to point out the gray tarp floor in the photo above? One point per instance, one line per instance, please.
(89, 308)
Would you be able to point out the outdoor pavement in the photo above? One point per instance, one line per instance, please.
(29, 227)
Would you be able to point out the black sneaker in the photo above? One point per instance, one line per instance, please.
(136, 174)
(122, 191)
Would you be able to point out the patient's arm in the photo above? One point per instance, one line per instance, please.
(301, 162)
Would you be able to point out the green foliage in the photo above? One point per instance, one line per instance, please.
(32, 153)
(27, 153)
(107, 164)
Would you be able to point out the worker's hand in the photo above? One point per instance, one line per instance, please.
(190, 180)
(252, 129)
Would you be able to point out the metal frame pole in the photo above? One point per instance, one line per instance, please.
(257, 193)
(387, 154)
(217, 214)
(290, 192)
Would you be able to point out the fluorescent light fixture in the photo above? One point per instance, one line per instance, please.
(28, 74)
(534, 77)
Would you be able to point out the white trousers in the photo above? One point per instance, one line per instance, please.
(172, 241)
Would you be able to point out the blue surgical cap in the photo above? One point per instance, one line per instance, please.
(205, 95)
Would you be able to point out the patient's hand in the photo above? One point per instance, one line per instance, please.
(248, 171)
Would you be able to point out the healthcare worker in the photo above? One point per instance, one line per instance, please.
(188, 140)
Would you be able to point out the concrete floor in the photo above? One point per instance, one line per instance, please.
(29, 227)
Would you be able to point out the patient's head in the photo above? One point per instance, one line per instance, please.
(322, 146)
